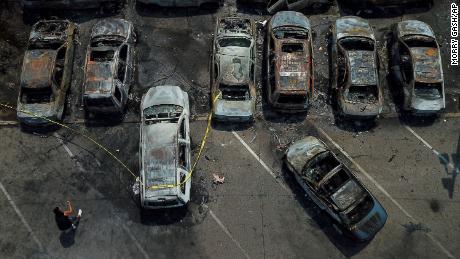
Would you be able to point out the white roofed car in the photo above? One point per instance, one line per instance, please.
(165, 148)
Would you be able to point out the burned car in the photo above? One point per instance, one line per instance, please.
(233, 70)
(109, 67)
(188, 3)
(46, 72)
(289, 61)
(164, 148)
(332, 186)
(355, 69)
(417, 67)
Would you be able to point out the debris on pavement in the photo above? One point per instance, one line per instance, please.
(218, 179)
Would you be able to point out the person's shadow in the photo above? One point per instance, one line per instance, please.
(67, 237)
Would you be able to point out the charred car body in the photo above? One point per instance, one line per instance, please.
(233, 70)
(46, 72)
(289, 61)
(184, 3)
(109, 67)
(334, 188)
(70, 4)
(165, 148)
(417, 67)
(355, 68)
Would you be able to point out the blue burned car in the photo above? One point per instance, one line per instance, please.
(333, 187)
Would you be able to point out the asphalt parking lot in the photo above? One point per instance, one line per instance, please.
(259, 211)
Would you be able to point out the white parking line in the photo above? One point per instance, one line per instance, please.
(260, 161)
(383, 190)
(67, 149)
(224, 228)
(133, 238)
(450, 165)
(24, 222)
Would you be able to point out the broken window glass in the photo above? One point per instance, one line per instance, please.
(234, 42)
(294, 33)
(292, 48)
(428, 91)
(362, 93)
(101, 55)
(357, 43)
(235, 92)
(103, 41)
(41, 95)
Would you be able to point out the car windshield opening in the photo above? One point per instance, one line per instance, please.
(428, 91)
(101, 55)
(235, 42)
(292, 48)
(99, 102)
(357, 43)
(360, 210)
(292, 98)
(41, 95)
(415, 41)
(320, 166)
(234, 92)
(363, 93)
(293, 33)
(336, 181)
(103, 41)
(164, 113)
(44, 45)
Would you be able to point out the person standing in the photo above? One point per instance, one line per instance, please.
(64, 219)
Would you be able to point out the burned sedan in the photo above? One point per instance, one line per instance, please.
(109, 66)
(333, 187)
(355, 69)
(164, 148)
(416, 65)
(232, 70)
(46, 72)
(289, 61)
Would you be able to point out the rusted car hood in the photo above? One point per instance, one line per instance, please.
(38, 68)
(302, 151)
(159, 156)
(294, 70)
(414, 27)
(363, 67)
(427, 65)
(166, 95)
(234, 65)
(111, 27)
(289, 18)
(99, 77)
(353, 27)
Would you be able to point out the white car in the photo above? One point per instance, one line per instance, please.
(164, 148)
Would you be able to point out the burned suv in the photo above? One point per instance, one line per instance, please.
(233, 70)
(46, 72)
(165, 148)
(332, 186)
(289, 61)
(109, 67)
(355, 69)
(417, 67)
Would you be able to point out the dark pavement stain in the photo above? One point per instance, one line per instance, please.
(413, 227)
(435, 206)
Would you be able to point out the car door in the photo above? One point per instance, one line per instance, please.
(184, 162)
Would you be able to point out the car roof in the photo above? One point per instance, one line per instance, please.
(353, 26)
(427, 65)
(362, 67)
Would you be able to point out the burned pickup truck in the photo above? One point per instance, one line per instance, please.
(165, 148)
(332, 186)
(289, 62)
(417, 67)
(233, 70)
(355, 69)
(46, 72)
(109, 67)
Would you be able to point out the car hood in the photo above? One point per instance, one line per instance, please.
(414, 27)
(111, 27)
(165, 94)
(99, 77)
(290, 18)
(234, 108)
(352, 26)
(302, 151)
(427, 65)
(294, 68)
(37, 69)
